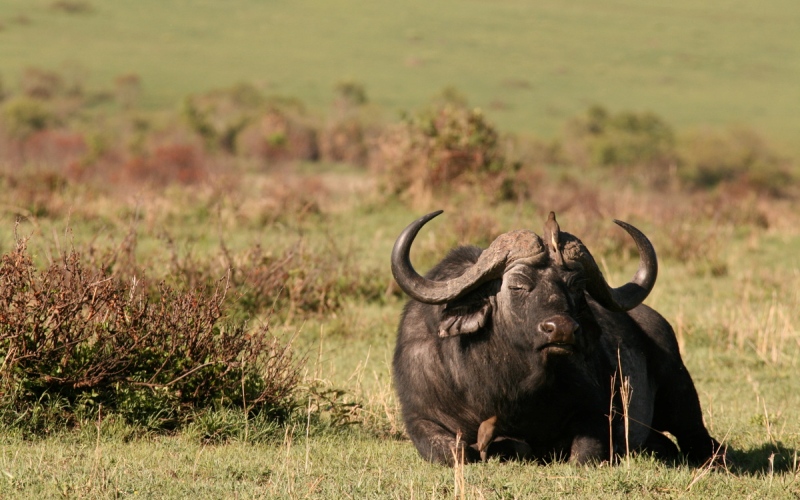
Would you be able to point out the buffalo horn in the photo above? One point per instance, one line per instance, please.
(630, 294)
(489, 266)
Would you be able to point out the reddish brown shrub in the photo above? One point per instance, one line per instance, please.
(74, 331)
(167, 163)
(344, 141)
(55, 148)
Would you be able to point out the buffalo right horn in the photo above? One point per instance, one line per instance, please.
(514, 246)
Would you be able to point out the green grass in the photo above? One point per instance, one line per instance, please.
(529, 66)
(730, 327)
(734, 304)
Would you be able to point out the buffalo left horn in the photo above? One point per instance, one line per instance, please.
(630, 294)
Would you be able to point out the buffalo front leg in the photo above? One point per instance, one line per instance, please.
(438, 444)
(587, 449)
(590, 441)
(489, 444)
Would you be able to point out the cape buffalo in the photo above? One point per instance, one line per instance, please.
(528, 343)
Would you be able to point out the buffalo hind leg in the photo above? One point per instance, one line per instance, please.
(661, 446)
(437, 444)
(677, 411)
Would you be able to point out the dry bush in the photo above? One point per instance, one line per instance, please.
(165, 164)
(41, 83)
(344, 141)
(22, 116)
(240, 120)
(291, 197)
(534, 151)
(295, 281)
(34, 193)
(127, 89)
(77, 333)
(440, 151)
(278, 136)
(348, 131)
(686, 227)
(54, 148)
(72, 6)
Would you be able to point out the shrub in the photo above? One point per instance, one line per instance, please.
(344, 140)
(23, 116)
(220, 115)
(54, 148)
(442, 149)
(737, 155)
(77, 335)
(350, 94)
(625, 139)
(41, 84)
(166, 163)
(287, 283)
(278, 135)
(72, 6)
(127, 88)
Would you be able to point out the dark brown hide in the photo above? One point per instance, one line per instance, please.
(513, 351)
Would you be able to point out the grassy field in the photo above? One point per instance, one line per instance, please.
(530, 66)
(729, 250)
(734, 306)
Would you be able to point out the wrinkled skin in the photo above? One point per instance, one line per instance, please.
(532, 356)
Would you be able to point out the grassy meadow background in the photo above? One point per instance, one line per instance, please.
(533, 65)
(245, 166)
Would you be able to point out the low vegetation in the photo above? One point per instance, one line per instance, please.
(210, 287)
(78, 341)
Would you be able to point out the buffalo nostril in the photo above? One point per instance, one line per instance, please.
(559, 328)
(548, 327)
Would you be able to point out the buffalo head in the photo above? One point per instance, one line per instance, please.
(540, 284)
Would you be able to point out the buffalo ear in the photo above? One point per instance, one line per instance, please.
(465, 317)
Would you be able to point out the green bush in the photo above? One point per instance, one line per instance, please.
(220, 115)
(23, 116)
(349, 94)
(737, 155)
(625, 139)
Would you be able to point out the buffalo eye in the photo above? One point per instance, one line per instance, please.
(520, 287)
(576, 283)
